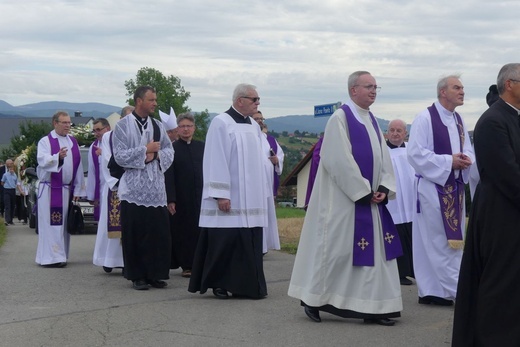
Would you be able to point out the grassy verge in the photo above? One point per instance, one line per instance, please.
(290, 223)
(3, 231)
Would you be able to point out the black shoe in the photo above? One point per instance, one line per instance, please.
(140, 285)
(406, 282)
(435, 300)
(312, 313)
(387, 322)
(6, 224)
(55, 265)
(157, 283)
(107, 269)
(220, 293)
(11, 223)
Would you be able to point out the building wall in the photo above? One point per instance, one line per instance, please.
(301, 187)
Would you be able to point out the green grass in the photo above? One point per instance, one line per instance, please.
(289, 212)
(3, 232)
(289, 247)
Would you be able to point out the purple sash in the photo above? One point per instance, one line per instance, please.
(56, 210)
(97, 188)
(363, 253)
(315, 162)
(274, 147)
(114, 215)
(451, 195)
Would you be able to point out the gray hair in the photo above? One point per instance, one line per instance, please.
(187, 116)
(57, 115)
(126, 110)
(507, 72)
(241, 90)
(402, 122)
(443, 83)
(353, 78)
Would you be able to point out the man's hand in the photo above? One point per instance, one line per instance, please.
(224, 205)
(460, 161)
(153, 147)
(97, 150)
(378, 197)
(274, 160)
(63, 152)
(171, 208)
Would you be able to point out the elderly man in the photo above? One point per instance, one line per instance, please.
(184, 190)
(234, 203)
(345, 263)
(143, 149)
(100, 127)
(61, 180)
(487, 305)
(440, 151)
(401, 208)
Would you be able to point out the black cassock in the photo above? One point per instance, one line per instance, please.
(488, 302)
(184, 187)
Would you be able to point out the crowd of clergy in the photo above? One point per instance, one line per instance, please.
(382, 211)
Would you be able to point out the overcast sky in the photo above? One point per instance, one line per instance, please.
(298, 53)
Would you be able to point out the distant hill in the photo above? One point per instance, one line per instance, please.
(306, 123)
(47, 109)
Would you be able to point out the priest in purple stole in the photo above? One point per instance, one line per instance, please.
(100, 127)
(61, 179)
(440, 151)
(346, 261)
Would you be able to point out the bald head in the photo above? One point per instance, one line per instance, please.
(396, 132)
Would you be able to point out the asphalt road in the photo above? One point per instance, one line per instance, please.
(80, 305)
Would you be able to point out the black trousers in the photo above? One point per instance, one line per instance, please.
(9, 201)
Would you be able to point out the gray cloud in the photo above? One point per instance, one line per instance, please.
(298, 53)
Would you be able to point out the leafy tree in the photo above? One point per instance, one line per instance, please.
(285, 133)
(170, 92)
(297, 132)
(202, 123)
(30, 134)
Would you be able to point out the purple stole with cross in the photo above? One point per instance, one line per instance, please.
(57, 184)
(451, 195)
(97, 188)
(114, 209)
(363, 254)
(274, 147)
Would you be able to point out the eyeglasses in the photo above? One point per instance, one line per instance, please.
(257, 119)
(97, 130)
(65, 123)
(189, 126)
(514, 80)
(370, 87)
(251, 98)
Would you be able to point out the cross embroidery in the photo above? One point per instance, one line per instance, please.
(389, 237)
(363, 243)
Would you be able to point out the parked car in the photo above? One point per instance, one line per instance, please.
(86, 207)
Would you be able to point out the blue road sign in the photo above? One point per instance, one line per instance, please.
(326, 110)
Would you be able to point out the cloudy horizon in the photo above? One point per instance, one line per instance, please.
(298, 53)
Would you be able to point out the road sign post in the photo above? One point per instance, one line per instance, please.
(326, 110)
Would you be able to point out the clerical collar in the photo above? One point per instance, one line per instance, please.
(514, 108)
(392, 146)
(139, 118)
(237, 116)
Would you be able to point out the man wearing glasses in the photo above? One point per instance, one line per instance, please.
(345, 263)
(440, 151)
(234, 203)
(61, 179)
(100, 127)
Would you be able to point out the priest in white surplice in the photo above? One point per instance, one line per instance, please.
(108, 252)
(274, 168)
(401, 208)
(345, 263)
(234, 203)
(440, 151)
(61, 179)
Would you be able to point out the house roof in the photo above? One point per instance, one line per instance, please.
(10, 126)
(292, 178)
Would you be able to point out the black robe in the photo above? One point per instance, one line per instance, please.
(488, 305)
(184, 187)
